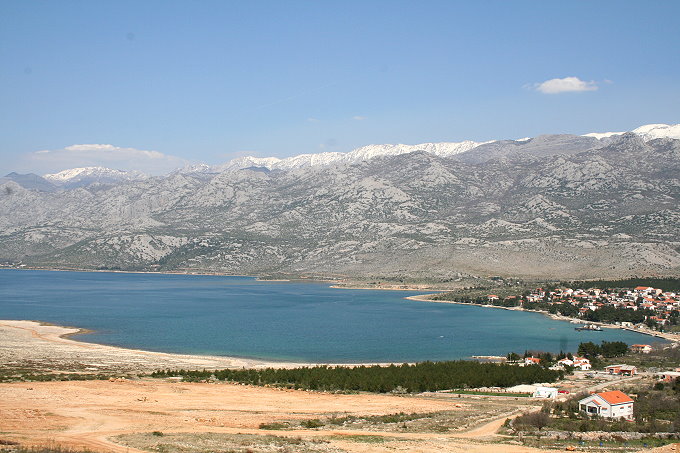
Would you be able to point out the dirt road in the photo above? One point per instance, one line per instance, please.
(86, 413)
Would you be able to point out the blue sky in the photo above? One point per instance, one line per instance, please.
(161, 83)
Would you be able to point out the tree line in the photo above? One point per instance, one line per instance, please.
(419, 377)
(606, 349)
(665, 283)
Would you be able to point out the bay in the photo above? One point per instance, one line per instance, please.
(291, 321)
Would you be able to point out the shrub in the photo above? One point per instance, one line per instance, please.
(536, 420)
(313, 423)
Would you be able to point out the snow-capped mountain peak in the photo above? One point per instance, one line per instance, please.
(647, 132)
(88, 175)
(652, 131)
(329, 158)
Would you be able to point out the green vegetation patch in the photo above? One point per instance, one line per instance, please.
(604, 446)
(420, 377)
(662, 357)
(477, 392)
(468, 412)
(23, 375)
(364, 438)
(16, 448)
(355, 421)
(666, 284)
(223, 443)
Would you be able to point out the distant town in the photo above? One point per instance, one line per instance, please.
(651, 307)
(643, 308)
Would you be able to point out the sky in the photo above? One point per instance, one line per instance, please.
(155, 85)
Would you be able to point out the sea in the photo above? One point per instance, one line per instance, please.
(274, 320)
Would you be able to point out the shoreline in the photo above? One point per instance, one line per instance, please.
(49, 344)
(65, 336)
(405, 288)
(666, 336)
(333, 282)
(45, 346)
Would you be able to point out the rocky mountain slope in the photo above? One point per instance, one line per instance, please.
(29, 181)
(552, 206)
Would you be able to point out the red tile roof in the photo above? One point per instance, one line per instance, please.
(615, 397)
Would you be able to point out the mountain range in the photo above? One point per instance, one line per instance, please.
(553, 206)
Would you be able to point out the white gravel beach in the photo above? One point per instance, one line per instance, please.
(41, 347)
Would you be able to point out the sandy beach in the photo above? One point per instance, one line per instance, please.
(47, 348)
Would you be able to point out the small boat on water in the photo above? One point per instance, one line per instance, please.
(589, 327)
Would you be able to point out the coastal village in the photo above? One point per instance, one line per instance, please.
(646, 307)
(604, 382)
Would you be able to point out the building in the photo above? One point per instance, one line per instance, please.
(545, 392)
(668, 376)
(532, 361)
(580, 363)
(565, 362)
(614, 404)
(621, 370)
(643, 348)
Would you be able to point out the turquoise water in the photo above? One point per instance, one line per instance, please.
(239, 316)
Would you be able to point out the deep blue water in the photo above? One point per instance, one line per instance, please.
(239, 316)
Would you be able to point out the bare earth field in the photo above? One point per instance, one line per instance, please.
(124, 415)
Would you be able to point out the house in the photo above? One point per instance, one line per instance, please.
(668, 376)
(621, 370)
(643, 348)
(647, 290)
(582, 363)
(532, 361)
(644, 289)
(565, 362)
(545, 392)
(614, 404)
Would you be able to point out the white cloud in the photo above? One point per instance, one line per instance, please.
(104, 155)
(91, 147)
(358, 118)
(313, 120)
(565, 85)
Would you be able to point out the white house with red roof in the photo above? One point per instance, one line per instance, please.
(643, 348)
(614, 404)
(581, 363)
(647, 290)
(532, 361)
